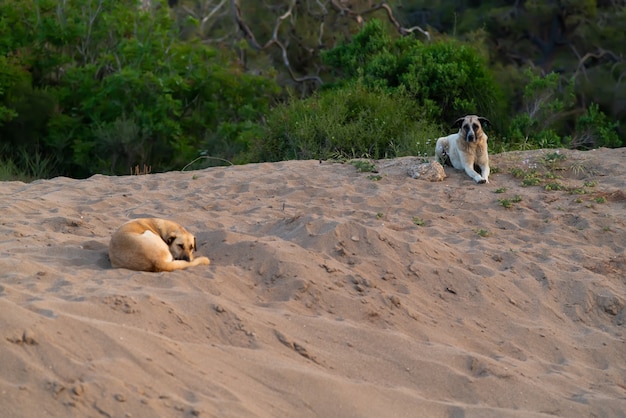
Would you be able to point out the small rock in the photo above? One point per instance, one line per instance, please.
(610, 303)
(56, 387)
(395, 301)
(432, 171)
(29, 337)
(78, 390)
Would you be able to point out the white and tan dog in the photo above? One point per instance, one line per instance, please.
(153, 244)
(467, 148)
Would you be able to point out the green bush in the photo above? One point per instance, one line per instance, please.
(99, 87)
(12, 79)
(447, 78)
(548, 105)
(348, 122)
(594, 129)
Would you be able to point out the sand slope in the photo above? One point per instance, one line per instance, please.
(331, 293)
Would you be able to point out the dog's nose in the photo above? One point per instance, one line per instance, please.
(470, 137)
(185, 257)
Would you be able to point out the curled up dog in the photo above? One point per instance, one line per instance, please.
(153, 244)
(467, 149)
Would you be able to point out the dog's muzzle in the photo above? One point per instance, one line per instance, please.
(470, 137)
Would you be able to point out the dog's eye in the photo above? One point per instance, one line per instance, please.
(475, 126)
(181, 246)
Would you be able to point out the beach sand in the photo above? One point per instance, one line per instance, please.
(331, 293)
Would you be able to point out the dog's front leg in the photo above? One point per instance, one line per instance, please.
(469, 170)
(484, 170)
(468, 166)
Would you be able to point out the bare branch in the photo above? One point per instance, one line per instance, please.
(249, 35)
(324, 9)
(345, 10)
(247, 32)
(600, 54)
(206, 18)
(83, 47)
(339, 6)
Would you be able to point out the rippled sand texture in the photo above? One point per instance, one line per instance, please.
(331, 293)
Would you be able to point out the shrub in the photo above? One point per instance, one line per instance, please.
(447, 78)
(12, 79)
(104, 86)
(545, 102)
(348, 122)
(548, 108)
(594, 129)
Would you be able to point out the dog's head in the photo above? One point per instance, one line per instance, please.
(471, 127)
(182, 244)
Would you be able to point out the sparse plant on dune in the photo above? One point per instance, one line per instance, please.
(531, 179)
(364, 166)
(554, 186)
(418, 221)
(505, 203)
(508, 203)
(483, 233)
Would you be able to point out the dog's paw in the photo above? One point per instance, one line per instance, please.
(482, 181)
(202, 261)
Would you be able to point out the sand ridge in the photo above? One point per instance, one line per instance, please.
(331, 292)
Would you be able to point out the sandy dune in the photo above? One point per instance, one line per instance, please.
(331, 293)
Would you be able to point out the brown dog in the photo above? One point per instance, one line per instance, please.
(153, 244)
(467, 148)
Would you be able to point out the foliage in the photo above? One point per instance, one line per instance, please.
(104, 86)
(579, 41)
(446, 77)
(94, 86)
(364, 166)
(12, 79)
(9, 172)
(353, 121)
(544, 102)
(547, 105)
(594, 129)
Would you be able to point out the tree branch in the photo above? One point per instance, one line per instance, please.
(345, 10)
(324, 9)
(249, 35)
(599, 55)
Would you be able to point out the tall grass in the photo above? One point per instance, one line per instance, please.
(29, 167)
(10, 172)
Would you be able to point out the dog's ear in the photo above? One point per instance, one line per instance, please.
(195, 244)
(484, 121)
(458, 123)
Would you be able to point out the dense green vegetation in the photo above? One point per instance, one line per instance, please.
(99, 87)
(95, 86)
(349, 122)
